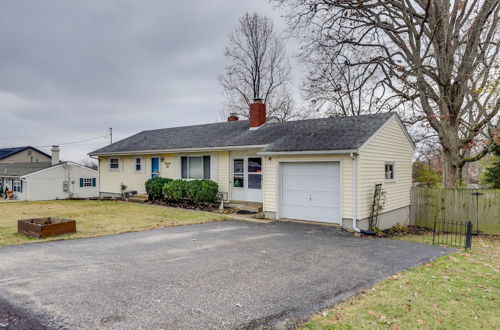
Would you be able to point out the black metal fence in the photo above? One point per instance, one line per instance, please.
(452, 233)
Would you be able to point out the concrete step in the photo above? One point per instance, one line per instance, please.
(140, 196)
(245, 206)
(137, 200)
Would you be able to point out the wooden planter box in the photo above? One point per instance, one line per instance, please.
(46, 227)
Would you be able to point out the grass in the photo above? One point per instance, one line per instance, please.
(95, 218)
(458, 291)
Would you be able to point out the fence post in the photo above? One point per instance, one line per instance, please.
(468, 235)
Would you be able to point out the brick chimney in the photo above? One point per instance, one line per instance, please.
(233, 117)
(55, 155)
(257, 113)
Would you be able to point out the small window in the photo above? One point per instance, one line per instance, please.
(138, 165)
(239, 173)
(255, 173)
(114, 164)
(196, 167)
(17, 186)
(88, 182)
(389, 171)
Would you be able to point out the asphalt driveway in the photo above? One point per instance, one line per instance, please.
(229, 274)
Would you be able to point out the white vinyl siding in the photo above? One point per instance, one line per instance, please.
(48, 184)
(110, 181)
(389, 146)
(223, 171)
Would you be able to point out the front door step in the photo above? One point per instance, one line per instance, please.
(139, 198)
(245, 206)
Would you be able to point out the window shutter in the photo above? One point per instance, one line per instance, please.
(20, 186)
(206, 167)
(184, 166)
(93, 182)
(81, 182)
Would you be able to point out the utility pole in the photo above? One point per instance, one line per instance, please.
(111, 135)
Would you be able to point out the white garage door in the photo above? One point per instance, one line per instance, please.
(311, 191)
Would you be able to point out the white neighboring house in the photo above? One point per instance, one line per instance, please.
(49, 180)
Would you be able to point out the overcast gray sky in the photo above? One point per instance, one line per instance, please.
(71, 69)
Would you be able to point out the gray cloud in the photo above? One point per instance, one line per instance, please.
(71, 69)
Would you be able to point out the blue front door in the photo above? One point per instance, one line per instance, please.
(155, 167)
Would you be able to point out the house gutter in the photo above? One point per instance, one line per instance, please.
(354, 193)
(173, 151)
(307, 152)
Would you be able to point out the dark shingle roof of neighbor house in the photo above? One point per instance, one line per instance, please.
(6, 152)
(341, 133)
(20, 169)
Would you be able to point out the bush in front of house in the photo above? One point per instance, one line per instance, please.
(175, 190)
(202, 191)
(154, 187)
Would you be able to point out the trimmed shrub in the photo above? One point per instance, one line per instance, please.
(154, 187)
(202, 191)
(175, 190)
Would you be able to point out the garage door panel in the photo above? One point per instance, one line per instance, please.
(317, 197)
(318, 183)
(307, 213)
(318, 168)
(311, 191)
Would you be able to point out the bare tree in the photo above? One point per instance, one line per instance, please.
(259, 69)
(336, 89)
(433, 56)
(87, 162)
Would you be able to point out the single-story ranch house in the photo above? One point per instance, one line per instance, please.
(318, 169)
(42, 180)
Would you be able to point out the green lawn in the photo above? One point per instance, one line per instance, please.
(458, 291)
(95, 218)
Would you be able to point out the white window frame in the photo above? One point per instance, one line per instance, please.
(142, 165)
(87, 182)
(393, 164)
(16, 185)
(188, 176)
(119, 164)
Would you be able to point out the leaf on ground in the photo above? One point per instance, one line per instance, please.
(421, 322)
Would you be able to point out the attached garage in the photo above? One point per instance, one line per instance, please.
(310, 191)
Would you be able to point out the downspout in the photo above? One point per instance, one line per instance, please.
(99, 174)
(354, 193)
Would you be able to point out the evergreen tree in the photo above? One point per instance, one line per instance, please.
(492, 174)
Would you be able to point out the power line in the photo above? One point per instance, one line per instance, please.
(73, 142)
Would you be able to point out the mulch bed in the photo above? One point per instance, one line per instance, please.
(207, 207)
(407, 230)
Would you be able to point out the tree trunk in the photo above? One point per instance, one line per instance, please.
(451, 170)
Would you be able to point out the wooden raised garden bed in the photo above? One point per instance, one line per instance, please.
(46, 227)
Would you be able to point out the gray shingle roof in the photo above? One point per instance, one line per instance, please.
(20, 169)
(344, 133)
(6, 152)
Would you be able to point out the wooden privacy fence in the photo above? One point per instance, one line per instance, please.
(482, 209)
